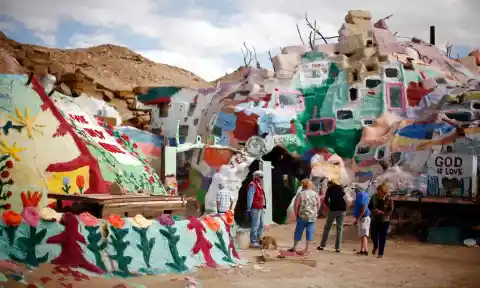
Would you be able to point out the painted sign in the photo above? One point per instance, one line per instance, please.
(89, 128)
(452, 175)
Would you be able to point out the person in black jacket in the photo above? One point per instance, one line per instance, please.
(337, 207)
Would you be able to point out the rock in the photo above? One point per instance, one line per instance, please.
(107, 95)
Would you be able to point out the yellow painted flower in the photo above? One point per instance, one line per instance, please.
(28, 122)
(140, 221)
(12, 151)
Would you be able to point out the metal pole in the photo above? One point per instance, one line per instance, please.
(432, 35)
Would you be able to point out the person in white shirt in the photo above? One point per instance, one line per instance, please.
(224, 199)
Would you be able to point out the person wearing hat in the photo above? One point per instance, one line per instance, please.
(256, 205)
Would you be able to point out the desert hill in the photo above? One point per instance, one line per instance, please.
(107, 72)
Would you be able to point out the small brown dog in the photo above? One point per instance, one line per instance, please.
(266, 241)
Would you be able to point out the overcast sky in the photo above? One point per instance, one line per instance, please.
(205, 36)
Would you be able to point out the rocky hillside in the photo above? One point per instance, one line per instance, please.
(108, 72)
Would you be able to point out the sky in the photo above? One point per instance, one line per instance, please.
(205, 36)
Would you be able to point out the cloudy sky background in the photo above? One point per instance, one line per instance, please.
(205, 36)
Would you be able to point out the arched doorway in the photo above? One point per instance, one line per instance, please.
(283, 190)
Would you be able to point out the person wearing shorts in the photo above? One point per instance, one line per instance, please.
(362, 219)
(306, 207)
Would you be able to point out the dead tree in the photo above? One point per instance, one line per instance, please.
(311, 40)
(448, 48)
(315, 29)
(247, 55)
(271, 60)
(256, 59)
(300, 35)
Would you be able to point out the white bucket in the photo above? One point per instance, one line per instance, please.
(243, 239)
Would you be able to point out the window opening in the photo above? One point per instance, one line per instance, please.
(462, 116)
(395, 96)
(344, 114)
(372, 83)
(353, 92)
(163, 110)
(391, 73)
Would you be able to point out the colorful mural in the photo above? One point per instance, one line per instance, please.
(50, 145)
(370, 100)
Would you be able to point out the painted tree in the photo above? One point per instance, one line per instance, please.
(96, 182)
(72, 254)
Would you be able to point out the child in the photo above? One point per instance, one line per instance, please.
(306, 208)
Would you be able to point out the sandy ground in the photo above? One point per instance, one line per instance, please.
(406, 264)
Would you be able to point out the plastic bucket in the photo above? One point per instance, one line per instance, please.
(243, 238)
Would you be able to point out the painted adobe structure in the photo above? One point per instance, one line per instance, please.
(49, 144)
(368, 99)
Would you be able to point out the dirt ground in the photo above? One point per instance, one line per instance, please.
(406, 264)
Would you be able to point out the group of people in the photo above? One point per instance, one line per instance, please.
(372, 214)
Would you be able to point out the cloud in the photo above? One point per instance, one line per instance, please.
(203, 35)
(94, 39)
(209, 68)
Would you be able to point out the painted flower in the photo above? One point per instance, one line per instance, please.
(211, 223)
(125, 137)
(9, 193)
(100, 123)
(228, 217)
(48, 214)
(109, 132)
(116, 221)
(31, 215)
(119, 141)
(80, 181)
(9, 164)
(7, 206)
(140, 221)
(151, 180)
(5, 174)
(147, 168)
(11, 218)
(165, 220)
(29, 200)
(66, 181)
(135, 146)
(88, 219)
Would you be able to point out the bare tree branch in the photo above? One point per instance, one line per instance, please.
(247, 55)
(271, 60)
(311, 41)
(314, 28)
(300, 34)
(256, 59)
(448, 48)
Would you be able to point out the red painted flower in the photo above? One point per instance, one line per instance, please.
(9, 164)
(151, 180)
(5, 174)
(119, 141)
(125, 137)
(135, 145)
(7, 206)
(147, 168)
(11, 218)
(80, 181)
(109, 132)
(109, 126)
(9, 193)
(100, 123)
(31, 200)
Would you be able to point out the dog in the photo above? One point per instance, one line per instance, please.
(266, 241)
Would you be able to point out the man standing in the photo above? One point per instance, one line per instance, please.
(224, 199)
(362, 219)
(337, 207)
(256, 206)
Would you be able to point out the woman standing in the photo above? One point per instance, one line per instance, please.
(381, 206)
(307, 203)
